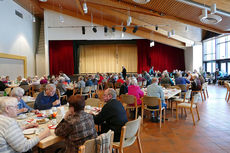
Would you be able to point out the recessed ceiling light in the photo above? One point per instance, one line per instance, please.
(43, 0)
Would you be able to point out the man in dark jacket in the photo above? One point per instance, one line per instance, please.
(112, 116)
(123, 72)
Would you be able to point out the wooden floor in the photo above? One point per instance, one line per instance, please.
(210, 135)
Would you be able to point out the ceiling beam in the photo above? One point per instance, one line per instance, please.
(29, 6)
(79, 6)
(140, 33)
(120, 4)
(139, 22)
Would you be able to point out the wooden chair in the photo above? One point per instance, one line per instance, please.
(201, 93)
(110, 85)
(191, 106)
(94, 89)
(26, 89)
(228, 92)
(129, 133)
(131, 102)
(205, 90)
(152, 102)
(63, 97)
(35, 88)
(118, 85)
(8, 91)
(86, 91)
(94, 102)
(90, 145)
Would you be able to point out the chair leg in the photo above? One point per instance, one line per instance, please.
(185, 112)
(136, 113)
(139, 144)
(192, 116)
(201, 96)
(164, 115)
(121, 150)
(197, 113)
(160, 117)
(177, 112)
(226, 97)
(207, 93)
(204, 95)
(142, 115)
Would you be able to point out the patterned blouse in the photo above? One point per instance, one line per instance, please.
(76, 129)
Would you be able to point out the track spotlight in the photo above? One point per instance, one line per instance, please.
(135, 29)
(105, 29)
(151, 43)
(94, 29)
(129, 20)
(186, 28)
(169, 34)
(33, 19)
(213, 9)
(173, 32)
(124, 29)
(83, 30)
(85, 9)
(156, 28)
(61, 19)
(113, 29)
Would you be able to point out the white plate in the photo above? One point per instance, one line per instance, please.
(30, 131)
(22, 116)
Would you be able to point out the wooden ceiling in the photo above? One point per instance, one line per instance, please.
(167, 14)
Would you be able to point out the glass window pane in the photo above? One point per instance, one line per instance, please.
(228, 50)
(228, 68)
(213, 67)
(223, 67)
(222, 50)
(220, 40)
(209, 67)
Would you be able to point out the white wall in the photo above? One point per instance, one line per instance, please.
(51, 19)
(193, 58)
(17, 35)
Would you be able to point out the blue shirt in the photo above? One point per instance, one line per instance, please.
(181, 80)
(44, 102)
(22, 104)
(154, 90)
(89, 83)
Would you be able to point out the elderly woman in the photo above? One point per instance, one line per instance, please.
(11, 137)
(77, 125)
(22, 106)
(135, 90)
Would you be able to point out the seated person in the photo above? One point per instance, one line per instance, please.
(61, 86)
(89, 81)
(67, 79)
(166, 80)
(11, 136)
(196, 84)
(22, 106)
(80, 83)
(23, 82)
(154, 90)
(120, 80)
(77, 125)
(135, 90)
(47, 99)
(112, 116)
(2, 86)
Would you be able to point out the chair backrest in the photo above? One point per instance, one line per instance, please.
(86, 89)
(151, 101)
(90, 145)
(25, 87)
(195, 99)
(205, 85)
(128, 99)
(188, 94)
(118, 84)
(110, 85)
(94, 102)
(8, 91)
(183, 87)
(36, 87)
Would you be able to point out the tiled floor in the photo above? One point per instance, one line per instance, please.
(210, 135)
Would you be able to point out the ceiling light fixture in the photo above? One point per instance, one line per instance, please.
(113, 29)
(105, 29)
(94, 29)
(213, 8)
(135, 29)
(85, 9)
(186, 28)
(61, 19)
(156, 27)
(152, 43)
(83, 30)
(43, 0)
(141, 1)
(124, 29)
(169, 34)
(173, 32)
(34, 19)
(129, 20)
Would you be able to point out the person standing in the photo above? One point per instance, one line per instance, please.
(151, 71)
(124, 72)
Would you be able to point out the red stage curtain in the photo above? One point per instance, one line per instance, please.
(61, 57)
(162, 57)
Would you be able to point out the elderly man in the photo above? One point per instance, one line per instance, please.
(22, 106)
(11, 137)
(112, 116)
(47, 99)
(154, 90)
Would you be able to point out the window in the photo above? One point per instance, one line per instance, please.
(209, 67)
(223, 67)
(228, 68)
(209, 50)
(213, 67)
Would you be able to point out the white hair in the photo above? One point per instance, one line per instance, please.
(133, 81)
(50, 86)
(112, 92)
(7, 101)
(17, 92)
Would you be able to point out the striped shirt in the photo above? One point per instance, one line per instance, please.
(12, 139)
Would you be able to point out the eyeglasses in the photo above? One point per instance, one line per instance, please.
(15, 107)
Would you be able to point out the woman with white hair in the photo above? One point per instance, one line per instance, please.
(135, 90)
(22, 106)
(12, 139)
